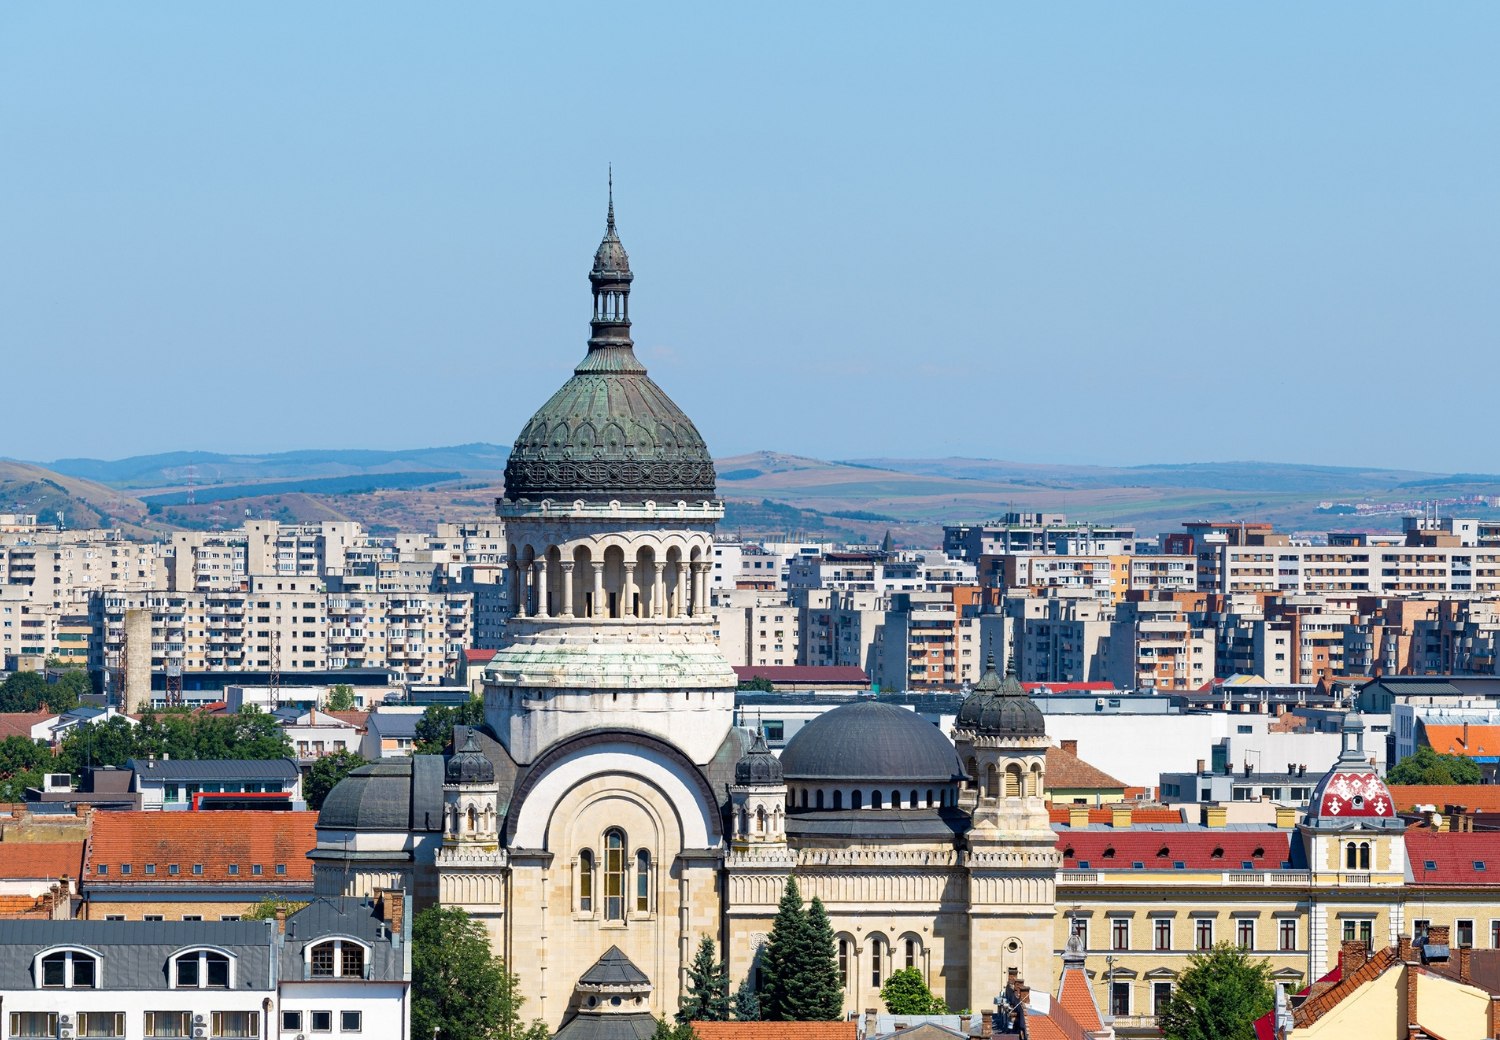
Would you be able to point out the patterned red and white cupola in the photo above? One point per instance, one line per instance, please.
(1352, 791)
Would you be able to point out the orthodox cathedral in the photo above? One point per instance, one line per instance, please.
(608, 813)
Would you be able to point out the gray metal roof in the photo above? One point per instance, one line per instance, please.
(610, 1026)
(354, 918)
(933, 824)
(134, 954)
(614, 969)
(394, 794)
(870, 741)
(188, 769)
(394, 723)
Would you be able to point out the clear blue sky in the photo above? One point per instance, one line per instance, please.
(1115, 233)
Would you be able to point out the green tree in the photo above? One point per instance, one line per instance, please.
(906, 993)
(108, 743)
(23, 691)
(759, 684)
(746, 1002)
(798, 967)
(825, 990)
(325, 774)
(458, 987)
(69, 690)
(435, 728)
(22, 763)
(667, 1031)
(1429, 767)
(707, 996)
(1218, 997)
(340, 698)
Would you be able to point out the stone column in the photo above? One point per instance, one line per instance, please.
(567, 588)
(700, 588)
(627, 588)
(523, 590)
(601, 605)
(513, 575)
(659, 592)
(679, 600)
(540, 581)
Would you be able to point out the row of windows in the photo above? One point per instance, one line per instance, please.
(105, 1025)
(174, 869)
(804, 799)
(1203, 934)
(196, 969)
(616, 880)
(880, 954)
(1462, 934)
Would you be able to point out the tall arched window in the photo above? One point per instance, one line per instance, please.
(875, 800)
(973, 772)
(614, 875)
(643, 881)
(586, 881)
(820, 799)
(857, 800)
(913, 952)
(1350, 856)
(992, 782)
(844, 961)
(760, 819)
(877, 960)
(1012, 782)
(838, 799)
(929, 798)
(473, 818)
(1364, 855)
(804, 798)
(896, 800)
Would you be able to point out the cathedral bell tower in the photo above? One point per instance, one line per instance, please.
(471, 865)
(1012, 861)
(758, 798)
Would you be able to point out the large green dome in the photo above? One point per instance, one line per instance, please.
(610, 432)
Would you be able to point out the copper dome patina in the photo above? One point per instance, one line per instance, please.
(610, 433)
(999, 707)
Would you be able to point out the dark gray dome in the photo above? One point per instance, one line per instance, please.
(1001, 708)
(376, 797)
(470, 766)
(868, 740)
(758, 766)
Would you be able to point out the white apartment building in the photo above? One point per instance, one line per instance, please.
(1392, 570)
(757, 628)
(878, 572)
(1065, 641)
(842, 628)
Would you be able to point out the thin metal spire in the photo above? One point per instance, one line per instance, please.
(611, 227)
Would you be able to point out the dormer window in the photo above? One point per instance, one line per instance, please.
(200, 969)
(337, 959)
(68, 969)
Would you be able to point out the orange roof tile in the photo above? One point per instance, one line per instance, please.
(776, 1030)
(1138, 814)
(19, 723)
(356, 719)
(1474, 741)
(1045, 1027)
(1066, 771)
(1077, 1001)
(40, 860)
(215, 840)
(1474, 797)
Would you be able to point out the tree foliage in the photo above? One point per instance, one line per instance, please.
(758, 684)
(668, 1031)
(325, 774)
(799, 968)
(248, 733)
(1218, 997)
(458, 987)
(707, 995)
(906, 993)
(22, 763)
(1426, 766)
(29, 691)
(746, 1002)
(340, 698)
(435, 728)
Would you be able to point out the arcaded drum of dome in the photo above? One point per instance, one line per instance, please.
(870, 741)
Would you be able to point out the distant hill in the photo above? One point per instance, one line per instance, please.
(54, 498)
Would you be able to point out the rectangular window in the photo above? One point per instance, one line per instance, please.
(1464, 933)
(321, 1021)
(192, 917)
(1161, 993)
(236, 1024)
(1245, 934)
(1495, 935)
(1163, 935)
(101, 1023)
(1419, 928)
(349, 1021)
(291, 1021)
(1119, 934)
(844, 962)
(33, 1024)
(234, 869)
(187, 972)
(167, 1023)
(1119, 999)
(1288, 935)
(1204, 932)
(152, 917)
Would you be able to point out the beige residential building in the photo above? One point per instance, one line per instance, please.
(1154, 645)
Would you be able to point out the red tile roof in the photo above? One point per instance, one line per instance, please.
(1474, 797)
(1067, 772)
(357, 719)
(216, 840)
(479, 656)
(1207, 849)
(1138, 814)
(1074, 996)
(19, 723)
(1472, 741)
(776, 1030)
(39, 860)
(830, 674)
(1453, 855)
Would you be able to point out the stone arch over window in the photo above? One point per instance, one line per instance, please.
(1012, 781)
(846, 958)
(1034, 780)
(614, 874)
(911, 952)
(614, 581)
(880, 950)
